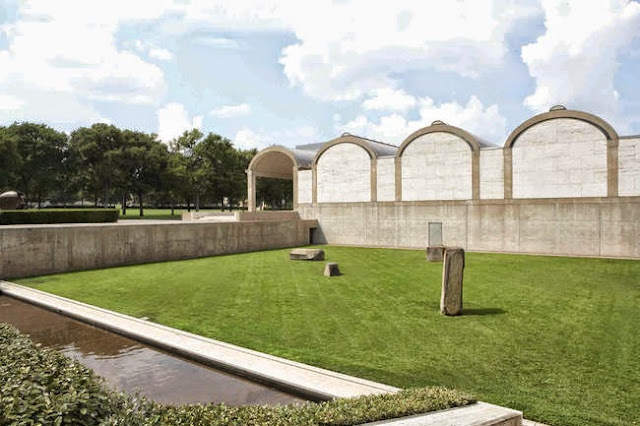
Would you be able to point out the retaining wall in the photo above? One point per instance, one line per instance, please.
(571, 226)
(29, 250)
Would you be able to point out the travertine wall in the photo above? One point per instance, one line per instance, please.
(491, 173)
(305, 190)
(629, 167)
(386, 168)
(560, 158)
(577, 227)
(344, 174)
(436, 166)
(29, 250)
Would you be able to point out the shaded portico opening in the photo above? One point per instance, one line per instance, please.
(271, 179)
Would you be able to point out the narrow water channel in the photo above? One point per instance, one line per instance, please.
(132, 366)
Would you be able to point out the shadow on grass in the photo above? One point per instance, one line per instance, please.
(483, 311)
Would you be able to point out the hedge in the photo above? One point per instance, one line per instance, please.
(14, 217)
(41, 386)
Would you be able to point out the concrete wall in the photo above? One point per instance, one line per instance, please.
(629, 167)
(436, 166)
(581, 227)
(29, 250)
(305, 189)
(491, 174)
(563, 157)
(386, 169)
(344, 174)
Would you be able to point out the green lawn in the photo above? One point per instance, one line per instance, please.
(555, 337)
(155, 214)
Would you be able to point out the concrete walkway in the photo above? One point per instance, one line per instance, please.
(312, 382)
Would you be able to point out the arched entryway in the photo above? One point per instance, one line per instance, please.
(275, 162)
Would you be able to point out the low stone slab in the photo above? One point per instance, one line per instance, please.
(331, 269)
(435, 253)
(306, 254)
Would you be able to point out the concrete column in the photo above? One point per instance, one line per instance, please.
(452, 275)
(507, 155)
(251, 191)
(398, 161)
(314, 184)
(475, 175)
(374, 180)
(612, 168)
(295, 188)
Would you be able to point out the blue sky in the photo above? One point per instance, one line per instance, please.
(294, 72)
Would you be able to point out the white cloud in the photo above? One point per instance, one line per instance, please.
(160, 54)
(217, 42)
(173, 120)
(389, 100)
(67, 50)
(347, 49)
(228, 111)
(247, 138)
(473, 117)
(575, 61)
(8, 102)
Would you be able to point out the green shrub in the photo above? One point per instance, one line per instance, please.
(14, 217)
(42, 386)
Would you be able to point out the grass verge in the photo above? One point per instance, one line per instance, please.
(554, 337)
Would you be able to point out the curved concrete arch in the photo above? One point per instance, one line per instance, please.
(346, 139)
(275, 162)
(473, 141)
(602, 125)
(260, 156)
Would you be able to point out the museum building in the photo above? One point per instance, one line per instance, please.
(564, 182)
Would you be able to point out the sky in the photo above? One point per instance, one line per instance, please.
(263, 72)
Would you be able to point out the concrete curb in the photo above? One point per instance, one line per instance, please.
(312, 382)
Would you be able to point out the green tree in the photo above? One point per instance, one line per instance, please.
(41, 150)
(223, 168)
(187, 166)
(98, 149)
(142, 162)
(10, 160)
(277, 194)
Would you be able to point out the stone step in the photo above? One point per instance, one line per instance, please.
(478, 414)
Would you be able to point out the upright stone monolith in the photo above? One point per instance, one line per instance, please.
(435, 253)
(452, 275)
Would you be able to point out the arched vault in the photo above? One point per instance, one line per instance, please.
(275, 162)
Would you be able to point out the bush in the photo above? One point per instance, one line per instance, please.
(42, 386)
(14, 217)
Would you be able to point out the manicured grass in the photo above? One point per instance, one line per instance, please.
(555, 337)
(155, 214)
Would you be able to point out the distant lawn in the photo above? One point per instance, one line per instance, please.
(156, 214)
(558, 338)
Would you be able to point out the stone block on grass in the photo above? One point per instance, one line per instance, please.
(306, 254)
(331, 269)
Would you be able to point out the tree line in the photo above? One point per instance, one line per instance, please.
(105, 165)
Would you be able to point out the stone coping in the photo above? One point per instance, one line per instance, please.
(305, 380)
(146, 222)
(478, 414)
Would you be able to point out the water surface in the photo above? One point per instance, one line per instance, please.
(131, 366)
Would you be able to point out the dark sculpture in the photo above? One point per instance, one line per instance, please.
(11, 200)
